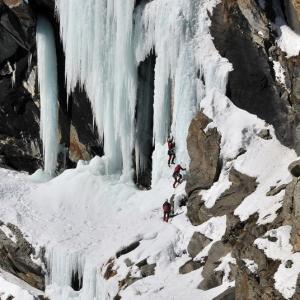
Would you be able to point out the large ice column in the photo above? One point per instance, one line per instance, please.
(97, 38)
(47, 75)
(169, 26)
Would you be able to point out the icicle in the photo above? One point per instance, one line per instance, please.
(47, 74)
(63, 264)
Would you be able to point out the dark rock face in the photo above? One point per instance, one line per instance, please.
(211, 278)
(242, 186)
(292, 13)
(291, 211)
(227, 295)
(265, 134)
(148, 270)
(144, 121)
(79, 135)
(84, 141)
(197, 243)
(15, 258)
(294, 168)
(127, 249)
(251, 84)
(204, 151)
(190, 266)
(48, 5)
(20, 145)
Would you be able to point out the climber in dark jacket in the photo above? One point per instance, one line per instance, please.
(167, 210)
(171, 151)
(177, 176)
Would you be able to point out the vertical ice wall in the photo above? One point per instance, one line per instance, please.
(47, 75)
(105, 41)
(170, 27)
(97, 38)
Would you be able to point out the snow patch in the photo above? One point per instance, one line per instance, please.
(251, 265)
(225, 266)
(10, 235)
(279, 73)
(276, 245)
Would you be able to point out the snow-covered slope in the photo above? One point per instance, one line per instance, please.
(95, 224)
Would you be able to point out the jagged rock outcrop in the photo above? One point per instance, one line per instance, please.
(204, 150)
(197, 243)
(291, 210)
(241, 186)
(16, 257)
(292, 13)
(190, 266)
(242, 34)
(212, 278)
(20, 145)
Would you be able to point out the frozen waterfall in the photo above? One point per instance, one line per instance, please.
(97, 38)
(47, 75)
(105, 41)
(108, 45)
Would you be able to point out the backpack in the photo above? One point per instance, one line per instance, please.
(167, 207)
(177, 169)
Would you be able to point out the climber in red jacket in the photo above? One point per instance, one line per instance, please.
(177, 176)
(167, 210)
(171, 151)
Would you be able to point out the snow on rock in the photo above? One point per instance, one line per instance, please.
(225, 266)
(214, 229)
(211, 195)
(259, 162)
(86, 215)
(279, 73)
(16, 288)
(10, 235)
(288, 40)
(251, 265)
(276, 245)
(265, 160)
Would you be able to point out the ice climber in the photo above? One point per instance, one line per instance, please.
(171, 151)
(177, 176)
(167, 210)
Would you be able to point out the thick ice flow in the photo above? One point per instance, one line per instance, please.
(47, 75)
(97, 37)
(105, 41)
